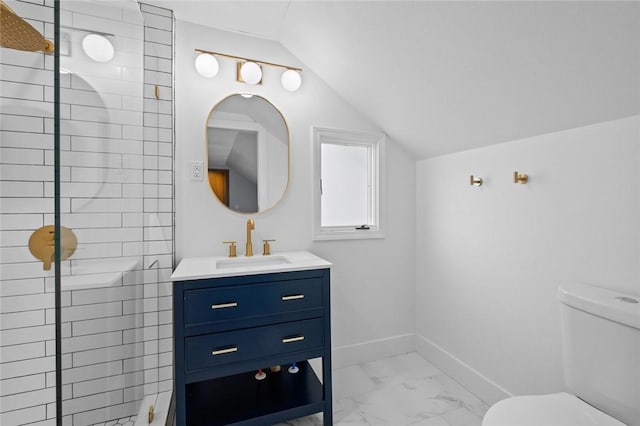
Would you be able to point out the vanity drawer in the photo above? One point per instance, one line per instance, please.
(212, 305)
(241, 345)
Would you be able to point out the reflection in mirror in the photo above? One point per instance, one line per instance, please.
(248, 153)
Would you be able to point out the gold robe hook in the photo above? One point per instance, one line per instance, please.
(520, 177)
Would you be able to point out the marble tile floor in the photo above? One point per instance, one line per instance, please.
(397, 391)
(160, 402)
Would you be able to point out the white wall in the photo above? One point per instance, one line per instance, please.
(490, 258)
(372, 301)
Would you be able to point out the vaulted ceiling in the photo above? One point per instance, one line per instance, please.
(442, 77)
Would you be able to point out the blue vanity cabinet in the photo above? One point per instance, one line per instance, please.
(227, 328)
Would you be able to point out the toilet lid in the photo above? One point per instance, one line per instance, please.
(558, 409)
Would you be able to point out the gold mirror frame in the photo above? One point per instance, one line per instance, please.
(288, 152)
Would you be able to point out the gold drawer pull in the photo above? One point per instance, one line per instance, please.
(224, 305)
(293, 297)
(292, 339)
(224, 351)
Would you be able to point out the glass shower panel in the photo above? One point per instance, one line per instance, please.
(109, 316)
(27, 329)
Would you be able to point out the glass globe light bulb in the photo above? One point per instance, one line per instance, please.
(251, 73)
(291, 80)
(207, 65)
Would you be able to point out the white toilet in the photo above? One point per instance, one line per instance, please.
(601, 335)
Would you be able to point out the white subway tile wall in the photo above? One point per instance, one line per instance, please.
(25, 361)
(117, 197)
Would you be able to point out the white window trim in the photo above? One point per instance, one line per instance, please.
(376, 142)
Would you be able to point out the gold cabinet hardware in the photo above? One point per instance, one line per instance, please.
(293, 297)
(520, 177)
(475, 181)
(156, 91)
(232, 248)
(150, 416)
(42, 244)
(266, 248)
(224, 351)
(293, 339)
(225, 305)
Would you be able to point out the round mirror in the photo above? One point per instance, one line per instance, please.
(248, 153)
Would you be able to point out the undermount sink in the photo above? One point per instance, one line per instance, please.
(249, 262)
(219, 266)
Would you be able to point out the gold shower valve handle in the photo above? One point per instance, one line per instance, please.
(520, 177)
(42, 244)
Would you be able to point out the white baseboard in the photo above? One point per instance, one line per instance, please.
(345, 356)
(485, 389)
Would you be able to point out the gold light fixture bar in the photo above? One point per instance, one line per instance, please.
(16, 33)
(242, 58)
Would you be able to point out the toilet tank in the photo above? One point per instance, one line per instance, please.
(601, 347)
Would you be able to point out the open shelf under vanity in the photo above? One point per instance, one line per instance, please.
(240, 398)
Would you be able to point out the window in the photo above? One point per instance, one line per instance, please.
(348, 184)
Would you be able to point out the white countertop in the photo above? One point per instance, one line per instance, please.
(193, 268)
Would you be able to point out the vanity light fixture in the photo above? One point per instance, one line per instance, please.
(248, 70)
(291, 80)
(207, 65)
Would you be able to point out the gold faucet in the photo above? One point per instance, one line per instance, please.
(250, 226)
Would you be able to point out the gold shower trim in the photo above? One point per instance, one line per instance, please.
(42, 244)
(16, 33)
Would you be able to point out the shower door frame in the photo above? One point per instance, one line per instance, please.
(56, 208)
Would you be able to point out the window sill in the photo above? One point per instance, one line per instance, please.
(348, 235)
